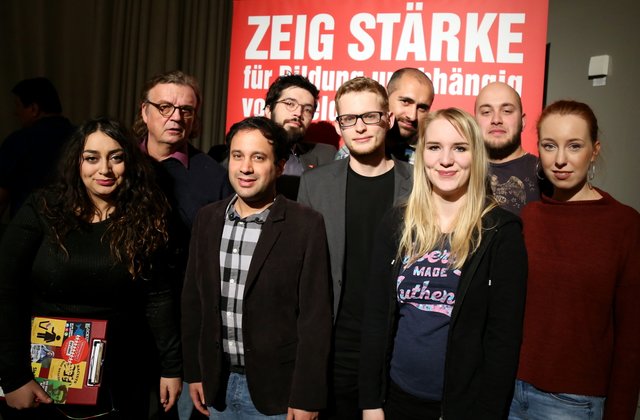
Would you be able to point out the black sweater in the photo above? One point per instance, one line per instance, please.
(36, 278)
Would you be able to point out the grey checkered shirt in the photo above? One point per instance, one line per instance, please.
(239, 239)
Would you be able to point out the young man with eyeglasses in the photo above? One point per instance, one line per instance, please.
(291, 102)
(168, 119)
(353, 194)
(410, 98)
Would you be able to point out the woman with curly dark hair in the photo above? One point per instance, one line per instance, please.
(90, 246)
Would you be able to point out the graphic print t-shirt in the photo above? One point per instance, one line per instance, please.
(426, 292)
(514, 183)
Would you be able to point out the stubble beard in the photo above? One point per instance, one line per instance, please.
(504, 150)
(407, 136)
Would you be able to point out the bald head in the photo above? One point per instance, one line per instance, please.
(500, 89)
(410, 99)
(498, 111)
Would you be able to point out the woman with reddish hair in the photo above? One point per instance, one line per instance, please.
(580, 356)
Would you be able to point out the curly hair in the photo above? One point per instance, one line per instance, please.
(137, 228)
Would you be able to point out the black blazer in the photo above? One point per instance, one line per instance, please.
(485, 331)
(286, 310)
(325, 190)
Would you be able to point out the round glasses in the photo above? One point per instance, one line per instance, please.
(291, 105)
(166, 109)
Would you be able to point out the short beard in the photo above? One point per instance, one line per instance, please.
(294, 137)
(504, 150)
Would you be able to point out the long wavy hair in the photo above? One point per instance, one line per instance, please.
(421, 232)
(137, 227)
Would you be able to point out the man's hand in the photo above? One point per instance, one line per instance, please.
(297, 414)
(374, 414)
(169, 391)
(29, 395)
(197, 396)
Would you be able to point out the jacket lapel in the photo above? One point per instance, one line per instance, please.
(270, 233)
(339, 206)
(402, 181)
(213, 236)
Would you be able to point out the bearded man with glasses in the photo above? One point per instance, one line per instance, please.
(167, 120)
(353, 194)
(291, 102)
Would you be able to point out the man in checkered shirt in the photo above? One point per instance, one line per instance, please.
(256, 305)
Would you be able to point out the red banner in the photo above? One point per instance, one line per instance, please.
(460, 45)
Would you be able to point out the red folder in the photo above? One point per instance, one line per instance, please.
(67, 356)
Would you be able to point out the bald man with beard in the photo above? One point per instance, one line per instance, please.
(410, 99)
(498, 112)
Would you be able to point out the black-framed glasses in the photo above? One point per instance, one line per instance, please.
(166, 109)
(369, 118)
(291, 105)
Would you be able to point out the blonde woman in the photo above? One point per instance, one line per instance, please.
(444, 309)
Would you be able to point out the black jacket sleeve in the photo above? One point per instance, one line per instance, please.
(162, 316)
(18, 248)
(503, 329)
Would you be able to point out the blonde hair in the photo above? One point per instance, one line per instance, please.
(421, 232)
(363, 84)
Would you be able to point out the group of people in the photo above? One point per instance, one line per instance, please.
(429, 269)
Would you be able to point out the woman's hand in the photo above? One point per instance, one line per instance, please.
(169, 391)
(29, 395)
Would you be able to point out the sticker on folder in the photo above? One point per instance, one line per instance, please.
(67, 357)
(57, 390)
(47, 331)
(71, 374)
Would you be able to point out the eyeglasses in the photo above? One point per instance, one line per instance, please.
(166, 110)
(369, 118)
(291, 105)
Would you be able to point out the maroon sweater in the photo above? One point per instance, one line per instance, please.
(582, 318)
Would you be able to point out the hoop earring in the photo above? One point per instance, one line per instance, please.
(539, 174)
(591, 173)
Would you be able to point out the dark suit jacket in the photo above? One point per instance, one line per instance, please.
(324, 189)
(286, 310)
(311, 155)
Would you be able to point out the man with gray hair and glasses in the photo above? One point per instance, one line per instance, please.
(168, 119)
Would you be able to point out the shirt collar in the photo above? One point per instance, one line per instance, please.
(233, 215)
(181, 155)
